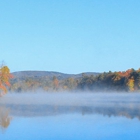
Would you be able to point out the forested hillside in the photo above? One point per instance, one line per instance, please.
(32, 81)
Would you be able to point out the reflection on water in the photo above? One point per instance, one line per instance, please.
(127, 110)
(45, 105)
(70, 117)
(4, 118)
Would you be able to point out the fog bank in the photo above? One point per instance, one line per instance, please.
(74, 99)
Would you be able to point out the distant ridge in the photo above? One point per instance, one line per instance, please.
(59, 75)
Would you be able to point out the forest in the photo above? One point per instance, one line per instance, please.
(122, 81)
(34, 81)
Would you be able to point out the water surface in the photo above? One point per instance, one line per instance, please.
(70, 116)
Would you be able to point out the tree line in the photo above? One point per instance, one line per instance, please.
(122, 81)
(126, 81)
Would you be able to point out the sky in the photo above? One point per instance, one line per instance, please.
(70, 36)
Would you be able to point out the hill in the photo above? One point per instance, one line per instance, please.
(48, 81)
(50, 74)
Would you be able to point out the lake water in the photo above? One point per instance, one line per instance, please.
(70, 117)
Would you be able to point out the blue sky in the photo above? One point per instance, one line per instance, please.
(70, 36)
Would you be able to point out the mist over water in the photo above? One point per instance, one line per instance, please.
(78, 99)
(42, 104)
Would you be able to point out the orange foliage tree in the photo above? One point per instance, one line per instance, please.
(55, 83)
(4, 79)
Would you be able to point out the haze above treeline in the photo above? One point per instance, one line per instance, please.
(33, 81)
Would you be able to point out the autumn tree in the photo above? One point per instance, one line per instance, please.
(4, 79)
(131, 84)
(55, 83)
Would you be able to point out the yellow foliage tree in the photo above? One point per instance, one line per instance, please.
(131, 84)
(4, 79)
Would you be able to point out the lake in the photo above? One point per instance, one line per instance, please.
(70, 116)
